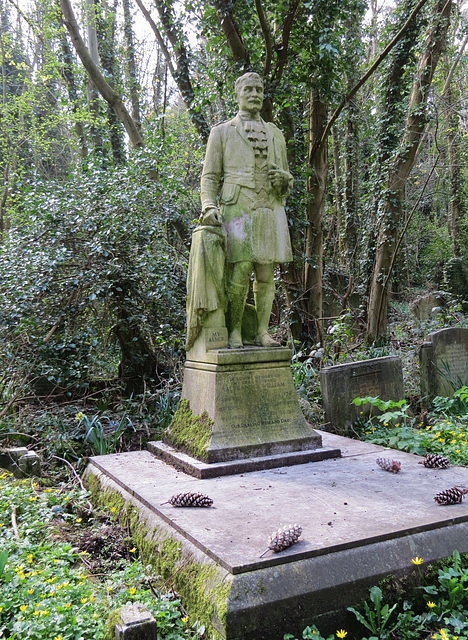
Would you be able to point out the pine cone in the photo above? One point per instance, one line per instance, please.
(435, 461)
(450, 496)
(284, 538)
(389, 465)
(190, 499)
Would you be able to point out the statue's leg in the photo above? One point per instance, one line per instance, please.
(264, 293)
(238, 277)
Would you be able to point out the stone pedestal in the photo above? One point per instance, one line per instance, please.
(250, 398)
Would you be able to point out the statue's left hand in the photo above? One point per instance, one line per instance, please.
(278, 178)
(211, 217)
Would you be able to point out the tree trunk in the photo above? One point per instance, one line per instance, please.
(338, 197)
(69, 76)
(316, 185)
(111, 96)
(105, 28)
(91, 89)
(133, 84)
(392, 206)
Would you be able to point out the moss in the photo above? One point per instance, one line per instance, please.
(189, 432)
(202, 595)
(114, 618)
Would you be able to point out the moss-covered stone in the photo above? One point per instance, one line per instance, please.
(199, 586)
(189, 432)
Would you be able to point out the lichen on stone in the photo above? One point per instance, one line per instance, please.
(189, 432)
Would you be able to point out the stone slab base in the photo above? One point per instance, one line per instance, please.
(203, 470)
(249, 394)
(359, 525)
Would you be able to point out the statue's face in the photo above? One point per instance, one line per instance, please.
(250, 95)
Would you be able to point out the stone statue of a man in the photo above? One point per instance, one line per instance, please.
(249, 155)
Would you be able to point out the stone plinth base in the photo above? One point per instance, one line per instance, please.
(203, 470)
(250, 397)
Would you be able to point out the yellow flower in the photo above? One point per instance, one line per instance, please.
(79, 416)
(32, 498)
(30, 591)
(112, 509)
(132, 590)
(30, 558)
(184, 620)
(78, 520)
(1, 609)
(21, 575)
(36, 613)
(109, 587)
(92, 598)
(83, 553)
(341, 633)
(44, 613)
(59, 637)
(417, 560)
(133, 550)
(23, 607)
(83, 600)
(431, 605)
(67, 605)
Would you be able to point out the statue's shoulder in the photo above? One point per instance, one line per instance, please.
(221, 126)
(275, 130)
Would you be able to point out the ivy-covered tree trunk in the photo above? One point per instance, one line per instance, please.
(455, 206)
(105, 29)
(392, 205)
(69, 75)
(138, 360)
(131, 63)
(316, 185)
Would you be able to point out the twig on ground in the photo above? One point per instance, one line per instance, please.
(14, 524)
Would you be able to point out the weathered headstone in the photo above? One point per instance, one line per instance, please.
(443, 362)
(136, 623)
(430, 305)
(21, 462)
(382, 377)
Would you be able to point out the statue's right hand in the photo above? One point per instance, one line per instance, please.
(211, 217)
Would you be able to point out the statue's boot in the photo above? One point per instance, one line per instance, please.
(264, 294)
(237, 295)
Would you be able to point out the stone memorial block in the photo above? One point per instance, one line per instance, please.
(443, 362)
(247, 403)
(136, 623)
(382, 377)
(21, 462)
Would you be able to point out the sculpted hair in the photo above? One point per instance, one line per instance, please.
(247, 76)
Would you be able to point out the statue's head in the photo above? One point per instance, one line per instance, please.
(249, 92)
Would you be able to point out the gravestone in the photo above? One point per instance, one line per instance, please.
(443, 362)
(382, 377)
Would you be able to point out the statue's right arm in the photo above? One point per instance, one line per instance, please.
(211, 175)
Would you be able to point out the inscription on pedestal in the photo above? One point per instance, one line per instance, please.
(252, 402)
